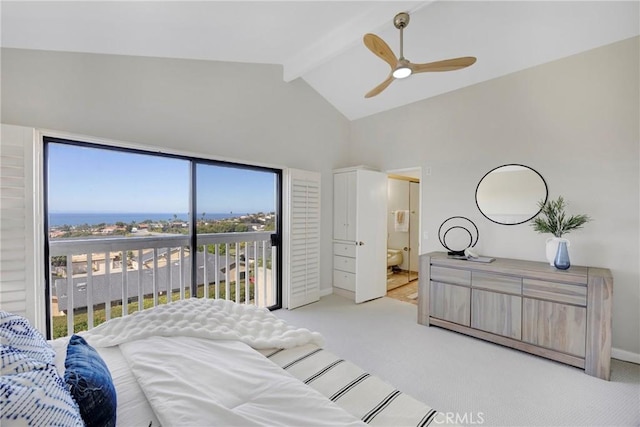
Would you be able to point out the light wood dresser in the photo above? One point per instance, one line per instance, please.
(564, 315)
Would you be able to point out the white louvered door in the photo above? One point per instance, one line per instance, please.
(21, 287)
(301, 265)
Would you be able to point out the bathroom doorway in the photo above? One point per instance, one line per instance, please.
(403, 200)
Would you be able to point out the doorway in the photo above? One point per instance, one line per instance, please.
(403, 199)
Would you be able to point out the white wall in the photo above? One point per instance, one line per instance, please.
(575, 120)
(221, 110)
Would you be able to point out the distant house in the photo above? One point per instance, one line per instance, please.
(54, 234)
(110, 229)
(80, 266)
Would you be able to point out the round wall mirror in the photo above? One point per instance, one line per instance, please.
(510, 194)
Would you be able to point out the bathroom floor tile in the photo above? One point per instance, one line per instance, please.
(400, 278)
(406, 293)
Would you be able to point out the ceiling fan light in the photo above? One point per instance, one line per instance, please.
(401, 72)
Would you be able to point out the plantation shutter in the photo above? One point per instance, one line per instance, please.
(302, 238)
(18, 240)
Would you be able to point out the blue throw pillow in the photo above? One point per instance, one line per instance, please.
(90, 383)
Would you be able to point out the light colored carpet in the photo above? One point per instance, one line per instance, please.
(475, 381)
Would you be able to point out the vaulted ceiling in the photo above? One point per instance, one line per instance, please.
(321, 41)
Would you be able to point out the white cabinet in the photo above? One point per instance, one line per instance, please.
(344, 212)
(359, 233)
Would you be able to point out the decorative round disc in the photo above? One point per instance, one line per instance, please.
(457, 234)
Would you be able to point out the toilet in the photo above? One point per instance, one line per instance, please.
(394, 257)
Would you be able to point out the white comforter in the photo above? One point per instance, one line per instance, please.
(194, 363)
(203, 318)
(198, 382)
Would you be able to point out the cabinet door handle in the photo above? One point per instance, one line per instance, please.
(360, 243)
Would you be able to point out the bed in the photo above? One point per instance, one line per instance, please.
(195, 362)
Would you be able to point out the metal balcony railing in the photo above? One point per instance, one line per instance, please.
(95, 279)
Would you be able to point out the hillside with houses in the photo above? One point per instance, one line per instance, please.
(177, 225)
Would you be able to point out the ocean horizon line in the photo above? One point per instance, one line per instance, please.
(93, 218)
(140, 212)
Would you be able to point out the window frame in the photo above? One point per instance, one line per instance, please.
(194, 160)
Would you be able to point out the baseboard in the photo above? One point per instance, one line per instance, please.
(344, 293)
(624, 355)
(325, 292)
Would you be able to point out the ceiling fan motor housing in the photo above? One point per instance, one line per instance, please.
(401, 20)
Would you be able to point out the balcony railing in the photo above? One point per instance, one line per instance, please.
(95, 279)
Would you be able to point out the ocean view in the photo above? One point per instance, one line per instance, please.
(65, 218)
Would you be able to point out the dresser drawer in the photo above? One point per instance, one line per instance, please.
(344, 263)
(450, 275)
(344, 280)
(344, 249)
(552, 291)
(497, 282)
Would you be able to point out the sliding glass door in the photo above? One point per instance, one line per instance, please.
(128, 229)
(237, 232)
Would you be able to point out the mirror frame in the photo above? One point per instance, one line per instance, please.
(546, 195)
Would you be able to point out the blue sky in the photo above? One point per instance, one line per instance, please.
(83, 179)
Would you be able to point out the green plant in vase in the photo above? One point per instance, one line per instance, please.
(553, 219)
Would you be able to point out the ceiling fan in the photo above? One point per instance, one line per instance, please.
(402, 67)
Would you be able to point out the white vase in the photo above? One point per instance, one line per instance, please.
(552, 247)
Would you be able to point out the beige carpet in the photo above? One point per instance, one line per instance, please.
(478, 382)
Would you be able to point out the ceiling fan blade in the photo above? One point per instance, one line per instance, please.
(380, 49)
(382, 86)
(445, 65)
